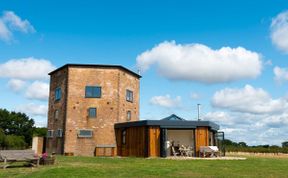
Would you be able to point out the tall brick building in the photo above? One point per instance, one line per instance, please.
(85, 102)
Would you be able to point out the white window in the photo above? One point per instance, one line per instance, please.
(129, 95)
(56, 114)
(50, 133)
(85, 133)
(59, 133)
(128, 118)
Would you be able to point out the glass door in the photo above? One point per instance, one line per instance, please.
(219, 137)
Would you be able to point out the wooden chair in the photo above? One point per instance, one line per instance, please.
(175, 153)
(190, 151)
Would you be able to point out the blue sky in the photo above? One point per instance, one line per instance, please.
(229, 56)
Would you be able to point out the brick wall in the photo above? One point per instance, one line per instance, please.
(112, 107)
(59, 79)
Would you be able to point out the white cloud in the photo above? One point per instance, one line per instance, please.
(166, 101)
(33, 109)
(5, 34)
(279, 31)
(16, 23)
(281, 74)
(249, 100)
(262, 129)
(219, 117)
(16, 85)
(194, 96)
(197, 62)
(11, 22)
(38, 90)
(26, 68)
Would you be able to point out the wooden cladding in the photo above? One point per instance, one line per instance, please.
(135, 143)
(144, 141)
(202, 138)
(139, 141)
(154, 142)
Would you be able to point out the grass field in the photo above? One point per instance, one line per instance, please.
(140, 167)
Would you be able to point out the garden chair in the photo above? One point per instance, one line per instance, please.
(175, 153)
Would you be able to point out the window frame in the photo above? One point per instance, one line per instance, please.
(51, 135)
(58, 94)
(128, 113)
(123, 137)
(85, 136)
(92, 117)
(59, 133)
(56, 113)
(93, 91)
(129, 95)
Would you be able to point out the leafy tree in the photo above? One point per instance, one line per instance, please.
(17, 124)
(242, 144)
(228, 142)
(40, 131)
(2, 138)
(285, 144)
(15, 142)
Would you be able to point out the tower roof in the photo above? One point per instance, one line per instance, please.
(97, 66)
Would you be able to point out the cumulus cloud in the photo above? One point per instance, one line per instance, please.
(26, 69)
(194, 96)
(249, 100)
(166, 101)
(219, 117)
(33, 109)
(281, 74)
(5, 33)
(16, 85)
(38, 90)
(10, 22)
(261, 128)
(197, 62)
(279, 31)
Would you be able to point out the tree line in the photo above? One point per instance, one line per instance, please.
(231, 146)
(17, 130)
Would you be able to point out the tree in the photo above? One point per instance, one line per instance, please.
(2, 138)
(40, 131)
(15, 142)
(229, 142)
(242, 144)
(17, 124)
(285, 144)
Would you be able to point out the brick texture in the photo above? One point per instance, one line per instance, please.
(73, 107)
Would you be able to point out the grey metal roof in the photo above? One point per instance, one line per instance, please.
(169, 124)
(173, 117)
(97, 66)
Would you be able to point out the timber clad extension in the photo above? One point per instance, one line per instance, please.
(148, 138)
(87, 100)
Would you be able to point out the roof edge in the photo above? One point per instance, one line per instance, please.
(96, 66)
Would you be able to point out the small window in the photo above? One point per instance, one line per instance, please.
(123, 137)
(92, 112)
(59, 133)
(93, 92)
(128, 116)
(56, 114)
(57, 94)
(85, 133)
(50, 133)
(129, 95)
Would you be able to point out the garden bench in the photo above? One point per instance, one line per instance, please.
(11, 156)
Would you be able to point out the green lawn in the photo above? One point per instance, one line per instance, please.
(140, 167)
